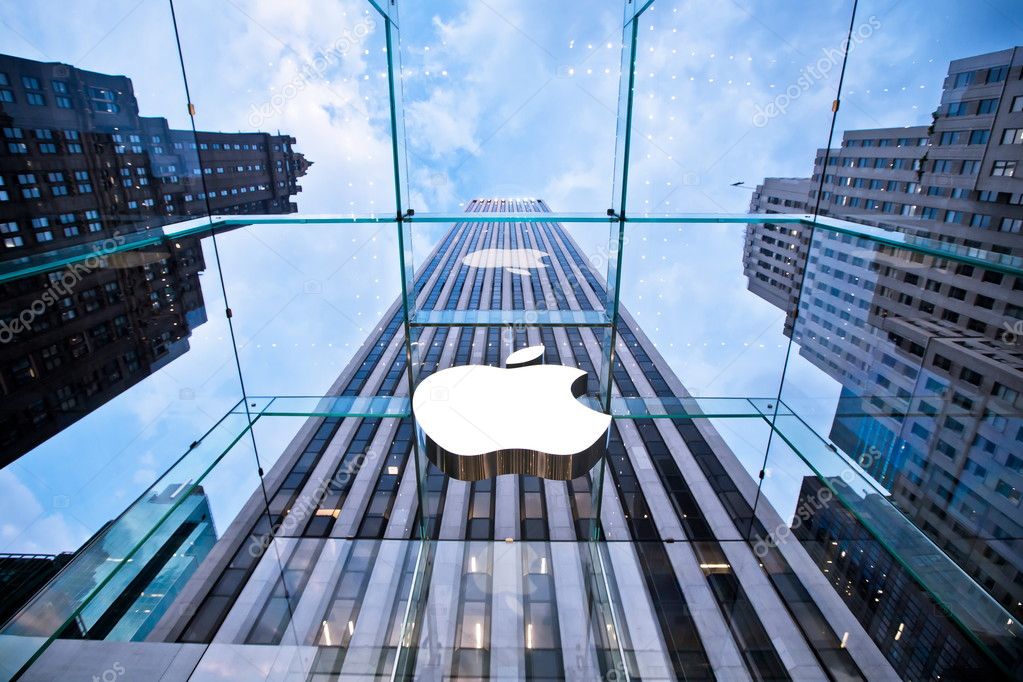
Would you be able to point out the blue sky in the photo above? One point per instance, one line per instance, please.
(502, 99)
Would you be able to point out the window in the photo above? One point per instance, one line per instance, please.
(963, 79)
(943, 166)
(60, 87)
(62, 102)
(47, 148)
(970, 376)
(979, 136)
(6, 95)
(992, 277)
(1004, 169)
(1012, 136)
(1017, 103)
(997, 74)
(101, 94)
(957, 109)
(984, 302)
(953, 216)
(970, 167)
(35, 99)
(1011, 225)
(1004, 392)
(951, 137)
(1008, 491)
(30, 83)
(987, 106)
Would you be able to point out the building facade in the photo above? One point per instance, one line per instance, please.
(925, 350)
(81, 169)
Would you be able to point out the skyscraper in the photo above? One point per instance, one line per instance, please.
(81, 169)
(511, 587)
(924, 349)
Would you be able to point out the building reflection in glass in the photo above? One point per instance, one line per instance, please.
(926, 351)
(80, 168)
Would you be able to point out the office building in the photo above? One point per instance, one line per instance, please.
(81, 169)
(931, 379)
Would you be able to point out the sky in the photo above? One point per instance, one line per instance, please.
(501, 98)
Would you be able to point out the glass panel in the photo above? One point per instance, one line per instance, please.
(112, 369)
(486, 88)
(127, 577)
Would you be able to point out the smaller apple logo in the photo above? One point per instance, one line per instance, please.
(517, 261)
(482, 421)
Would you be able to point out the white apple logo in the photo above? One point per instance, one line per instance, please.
(517, 261)
(483, 421)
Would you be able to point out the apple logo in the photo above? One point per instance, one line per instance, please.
(482, 421)
(517, 261)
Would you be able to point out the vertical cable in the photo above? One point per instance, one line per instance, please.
(802, 276)
(227, 307)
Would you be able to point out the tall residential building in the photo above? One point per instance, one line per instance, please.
(81, 169)
(511, 587)
(925, 350)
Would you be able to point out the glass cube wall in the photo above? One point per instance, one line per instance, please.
(796, 293)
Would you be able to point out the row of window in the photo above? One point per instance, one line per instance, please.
(996, 74)
(101, 99)
(979, 107)
(887, 142)
(1009, 136)
(872, 162)
(949, 137)
(134, 140)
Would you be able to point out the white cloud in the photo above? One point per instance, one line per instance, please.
(29, 525)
